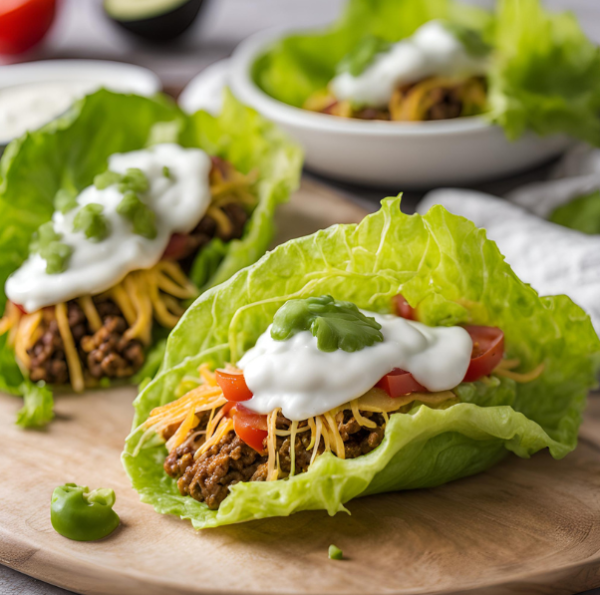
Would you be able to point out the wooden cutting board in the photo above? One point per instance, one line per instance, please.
(522, 527)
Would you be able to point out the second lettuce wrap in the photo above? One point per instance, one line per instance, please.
(446, 268)
(67, 153)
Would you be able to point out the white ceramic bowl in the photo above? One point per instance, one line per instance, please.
(116, 76)
(404, 155)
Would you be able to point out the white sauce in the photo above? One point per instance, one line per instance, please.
(179, 203)
(431, 51)
(29, 106)
(304, 381)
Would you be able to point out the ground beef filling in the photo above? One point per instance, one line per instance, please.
(209, 477)
(105, 353)
(207, 230)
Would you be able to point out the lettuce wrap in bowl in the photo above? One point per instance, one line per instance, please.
(113, 218)
(399, 353)
(424, 93)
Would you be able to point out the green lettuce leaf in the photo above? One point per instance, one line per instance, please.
(581, 214)
(449, 271)
(70, 151)
(546, 75)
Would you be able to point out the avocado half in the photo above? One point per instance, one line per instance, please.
(156, 20)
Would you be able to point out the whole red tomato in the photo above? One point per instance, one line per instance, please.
(23, 23)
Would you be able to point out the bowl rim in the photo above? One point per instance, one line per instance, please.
(143, 79)
(245, 88)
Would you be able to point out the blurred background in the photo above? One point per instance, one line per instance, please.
(204, 32)
(82, 29)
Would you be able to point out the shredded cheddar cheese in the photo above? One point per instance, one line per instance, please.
(73, 361)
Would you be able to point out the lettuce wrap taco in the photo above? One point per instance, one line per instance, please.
(520, 66)
(113, 218)
(399, 353)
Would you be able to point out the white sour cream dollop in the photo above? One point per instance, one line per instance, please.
(303, 381)
(179, 202)
(431, 51)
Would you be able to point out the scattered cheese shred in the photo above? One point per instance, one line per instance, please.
(73, 361)
(25, 336)
(10, 320)
(189, 423)
(86, 303)
(224, 428)
(272, 467)
(293, 448)
(123, 299)
(521, 376)
(141, 326)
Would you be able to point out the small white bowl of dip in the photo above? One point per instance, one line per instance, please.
(34, 93)
(398, 154)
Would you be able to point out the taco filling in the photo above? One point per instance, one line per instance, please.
(116, 257)
(437, 74)
(324, 377)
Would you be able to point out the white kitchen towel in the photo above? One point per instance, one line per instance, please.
(551, 258)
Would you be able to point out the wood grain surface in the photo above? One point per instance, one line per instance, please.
(523, 527)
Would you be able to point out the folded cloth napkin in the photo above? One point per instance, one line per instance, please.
(552, 258)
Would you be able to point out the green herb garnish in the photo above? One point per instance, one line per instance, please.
(335, 324)
(140, 215)
(134, 180)
(65, 201)
(362, 55)
(166, 172)
(581, 214)
(335, 553)
(92, 222)
(471, 39)
(46, 242)
(57, 257)
(108, 178)
(43, 237)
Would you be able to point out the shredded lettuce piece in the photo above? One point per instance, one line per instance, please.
(38, 405)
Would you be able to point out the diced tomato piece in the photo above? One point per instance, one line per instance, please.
(23, 23)
(19, 308)
(233, 385)
(403, 308)
(250, 427)
(399, 383)
(177, 248)
(488, 350)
